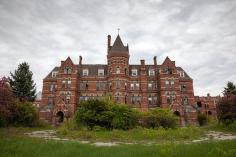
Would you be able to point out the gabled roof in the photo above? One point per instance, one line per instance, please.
(168, 62)
(69, 61)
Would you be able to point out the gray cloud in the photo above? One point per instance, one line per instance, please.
(199, 35)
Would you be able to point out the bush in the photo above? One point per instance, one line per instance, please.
(24, 114)
(104, 114)
(159, 117)
(202, 119)
(124, 117)
(94, 112)
(226, 109)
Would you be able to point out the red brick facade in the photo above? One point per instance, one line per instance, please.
(139, 86)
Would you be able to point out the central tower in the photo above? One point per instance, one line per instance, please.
(118, 69)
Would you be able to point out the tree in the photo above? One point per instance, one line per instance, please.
(226, 107)
(6, 101)
(22, 84)
(230, 89)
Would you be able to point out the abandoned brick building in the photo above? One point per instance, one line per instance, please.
(140, 86)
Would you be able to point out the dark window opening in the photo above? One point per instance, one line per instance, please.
(199, 104)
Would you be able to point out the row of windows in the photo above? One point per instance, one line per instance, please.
(135, 99)
(134, 72)
(102, 85)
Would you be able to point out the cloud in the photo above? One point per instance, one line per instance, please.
(199, 35)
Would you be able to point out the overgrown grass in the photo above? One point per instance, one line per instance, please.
(216, 126)
(26, 147)
(19, 131)
(160, 135)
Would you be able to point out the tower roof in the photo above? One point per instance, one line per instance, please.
(118, 47)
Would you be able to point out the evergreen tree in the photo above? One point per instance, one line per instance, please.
(230, 89)
(22, 84)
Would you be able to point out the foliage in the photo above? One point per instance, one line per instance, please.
(94, 112)
(159, 117)
(104, 113)
(221, 126)
(123, 117)
(227, 109)
(67, 126)
(24, 114)
(202, 119)
(6, 101)
(230, 89)
(22, 83)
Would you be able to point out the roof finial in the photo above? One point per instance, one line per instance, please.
(118, 30)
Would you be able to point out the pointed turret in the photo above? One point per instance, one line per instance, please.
(118, 48)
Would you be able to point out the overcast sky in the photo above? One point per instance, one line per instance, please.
(200, 35)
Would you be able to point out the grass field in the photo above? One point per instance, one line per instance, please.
(26, 147)
(168, 143)
(140, 135)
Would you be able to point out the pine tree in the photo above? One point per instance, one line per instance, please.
(230, 89)
(22, 84)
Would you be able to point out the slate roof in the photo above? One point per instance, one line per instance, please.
(92, 68)
(118, 48)
(50, 74)
(185, 74)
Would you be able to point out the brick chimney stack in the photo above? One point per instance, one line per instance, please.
(155, 60)
(142, 61)
(108, 42)
(80, 60)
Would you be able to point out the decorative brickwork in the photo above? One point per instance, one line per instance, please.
(140, 86)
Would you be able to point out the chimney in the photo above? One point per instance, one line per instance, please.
(208, 95)
(155, 60)
(142, 62)
(108, 42)
(80, 60)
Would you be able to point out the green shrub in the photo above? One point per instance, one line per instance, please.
(94, 112)
(159, 117)
(124, 117)
(202, 119)
(25, 114)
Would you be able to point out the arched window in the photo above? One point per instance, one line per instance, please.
(118, 70)
(67, 70)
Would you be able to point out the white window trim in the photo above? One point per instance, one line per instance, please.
(151, 72)
(85, 72)
(134, 72)
(100, 72)
(54, 73)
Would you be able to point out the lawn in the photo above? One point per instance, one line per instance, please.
(140, 135)
(168, 143)
(27, 147)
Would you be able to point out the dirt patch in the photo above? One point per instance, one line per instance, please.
(215, 135)
(52, 135)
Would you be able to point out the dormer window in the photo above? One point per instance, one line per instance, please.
(85, 72)
(134, 72)
(54, 74)
(67, 70)
(167, 71)
(151, 72)
(100, 72)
